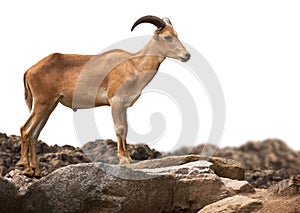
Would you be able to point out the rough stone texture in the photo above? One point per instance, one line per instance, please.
(288, 187)
(20, 181)
(222, 167)
(54, 157)
(266, 162)
(9, 201)
(189, 170)
(10, 150)
(50, 157)
(266, 178)
(66, 155)
(106, 151)
(227, 168)
(166, 161)
(98, 187)
(268, 154)
(234, 204)
(238, 186)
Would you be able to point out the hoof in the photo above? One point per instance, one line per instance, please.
(37, 173)
(21, 163)
(124, 160)
(28, 172)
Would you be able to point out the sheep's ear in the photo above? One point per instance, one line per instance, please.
(167, 20)
(155, 36)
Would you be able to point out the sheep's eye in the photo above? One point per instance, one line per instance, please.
(168, 38)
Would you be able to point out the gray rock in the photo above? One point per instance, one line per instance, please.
(20, 181)
(222, 167)
(98, 187)
(9, 201)
(50, 157)
(234, 204)
(265, 178)
(191, 169)
(288, 187)
(106, 151)
(266, 162)
(166, 162)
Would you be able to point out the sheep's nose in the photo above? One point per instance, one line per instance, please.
(187, 56)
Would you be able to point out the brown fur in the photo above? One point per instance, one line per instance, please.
(114, 78)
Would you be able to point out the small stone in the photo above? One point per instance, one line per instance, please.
(238, 186)
(227, 168)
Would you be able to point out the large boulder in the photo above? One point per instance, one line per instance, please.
(9, 201)
(98, 187)
(222, 167)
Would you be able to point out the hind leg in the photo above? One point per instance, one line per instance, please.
(25, 143)
(30, 132)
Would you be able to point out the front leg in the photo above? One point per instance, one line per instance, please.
(120, 122)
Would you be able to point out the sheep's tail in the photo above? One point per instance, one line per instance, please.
(27, 93)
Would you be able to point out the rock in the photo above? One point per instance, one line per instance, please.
(9, 201)
(98, 187)
(222, 167)
(228, 168)
(267, 154)
(64, 156)
(50, 157)
(266, 178)
(272, 154)
(234, 204)
(188, 170)
(193, 194)
(166, 161)
(20, 181)
(288, 187)
(266, 162)
(106, 151)
(202, 149)
(238, 186)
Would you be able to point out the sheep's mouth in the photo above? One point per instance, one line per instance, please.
(182, 59)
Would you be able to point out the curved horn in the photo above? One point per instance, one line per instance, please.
(158, 22)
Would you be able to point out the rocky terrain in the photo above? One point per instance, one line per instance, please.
(50, 157)
(54, 157)
(266, 162)
(105, 151)
(256, 177)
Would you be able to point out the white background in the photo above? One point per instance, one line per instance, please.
(253, 47)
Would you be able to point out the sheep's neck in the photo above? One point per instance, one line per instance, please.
(148, 59)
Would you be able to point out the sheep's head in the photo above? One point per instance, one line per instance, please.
(165, 39)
